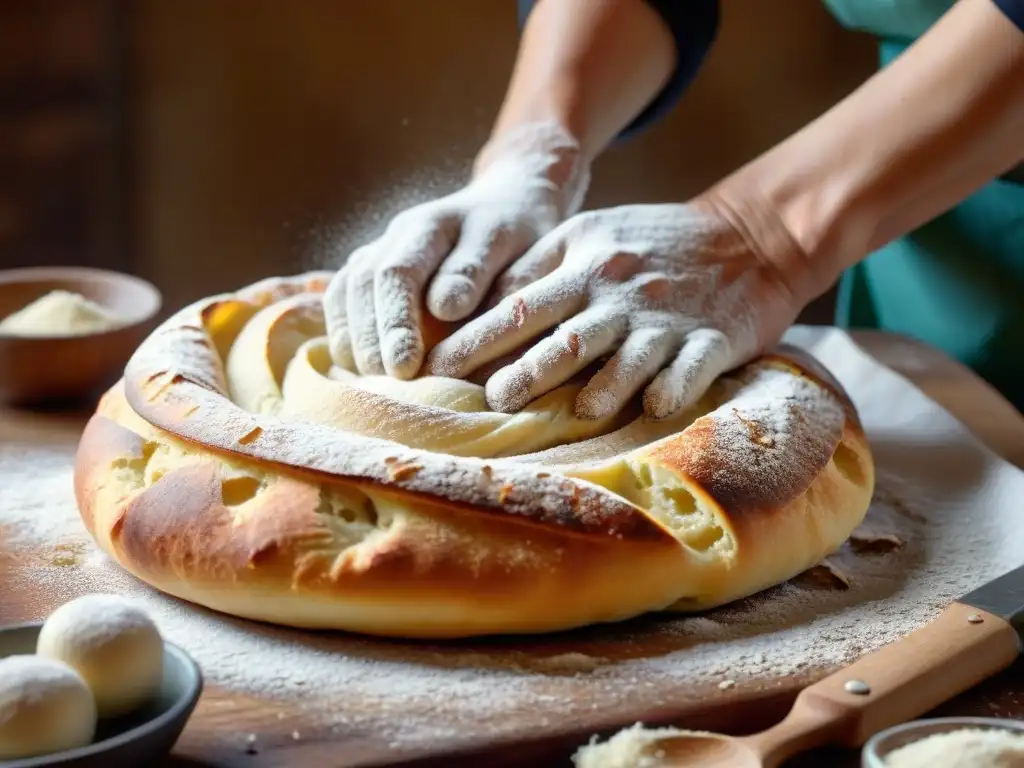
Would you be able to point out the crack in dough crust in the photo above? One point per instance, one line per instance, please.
(236, 467)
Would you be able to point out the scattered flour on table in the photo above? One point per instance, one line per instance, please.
(944, 519)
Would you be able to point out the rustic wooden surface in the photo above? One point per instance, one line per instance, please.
(1001, 427)
(216, 735)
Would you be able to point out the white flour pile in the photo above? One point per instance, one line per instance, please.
(60, 313)
(974, 747)
(946, 518)
(633, 747)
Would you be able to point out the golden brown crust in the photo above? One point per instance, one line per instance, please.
(441, 562)
(273, 517)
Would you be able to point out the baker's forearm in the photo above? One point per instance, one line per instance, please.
(922, 134)
(588, 65)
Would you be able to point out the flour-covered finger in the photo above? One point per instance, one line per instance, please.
(706, 355)
(546, 255)
(410, 253)
(554, 360)
(486, 246)
(637, 361)
(339, 339)
(362, 316)
(515, 321)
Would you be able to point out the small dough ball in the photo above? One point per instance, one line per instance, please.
(45, 707)
(113, 644)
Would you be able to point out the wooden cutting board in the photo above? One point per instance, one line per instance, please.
(541, 730)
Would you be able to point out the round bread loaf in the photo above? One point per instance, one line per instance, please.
(236, 467)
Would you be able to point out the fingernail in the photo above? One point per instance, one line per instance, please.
(508, 390)
(595, 405)
(451, 298)
(442, 365)
(370, 365)
(657, 405)
(402, 353)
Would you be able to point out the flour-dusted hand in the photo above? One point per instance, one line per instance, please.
(451, 249)
(673, 293)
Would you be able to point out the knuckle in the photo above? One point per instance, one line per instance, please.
(334, 295)
(335, 317)
(467, 268)
(395, 272)
(360, 257)
(515, 308)
(712, 339)
(656, 288)
(618, 266)
(359, 278)
(417, 217)
(396, 320)
(422, 218)
(519, 272)
(655, 338)
(498, 235)
(574, 343)
(581, 222)
(364, 337)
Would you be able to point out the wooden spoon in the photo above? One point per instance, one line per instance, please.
(900, 682)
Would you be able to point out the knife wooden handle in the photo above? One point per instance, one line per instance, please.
(900, 682)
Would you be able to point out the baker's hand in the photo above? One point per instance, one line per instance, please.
(673, 293)
(524, 184)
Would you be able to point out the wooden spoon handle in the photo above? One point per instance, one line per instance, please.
(904, 680)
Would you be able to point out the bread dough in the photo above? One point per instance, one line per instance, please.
(60, 313)
(236, 467)
(113, 645)
(45, 707)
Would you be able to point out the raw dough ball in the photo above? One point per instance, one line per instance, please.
(45, 707)
(113, 644)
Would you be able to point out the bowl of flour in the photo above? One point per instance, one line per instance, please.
(948, 742)
(67, 332)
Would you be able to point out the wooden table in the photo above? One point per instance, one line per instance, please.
(1001, 427)
(958, 390)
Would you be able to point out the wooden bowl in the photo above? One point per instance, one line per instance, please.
(41, 369)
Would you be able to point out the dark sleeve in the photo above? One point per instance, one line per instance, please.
(694, 24)
(1014, 11)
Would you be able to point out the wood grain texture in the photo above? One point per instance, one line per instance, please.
(217, 734)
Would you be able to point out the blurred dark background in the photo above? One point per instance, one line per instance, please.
(204, 144)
